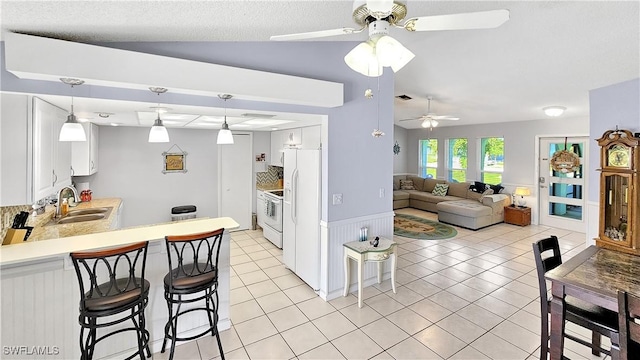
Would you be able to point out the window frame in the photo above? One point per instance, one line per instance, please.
(482, 172)
(449, 157)
(423, 164)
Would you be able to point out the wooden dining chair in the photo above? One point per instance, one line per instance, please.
(595, 318)
(628, 314)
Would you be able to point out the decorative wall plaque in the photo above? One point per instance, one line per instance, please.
(174, 162)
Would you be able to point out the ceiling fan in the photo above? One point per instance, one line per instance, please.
(369, 57)
(430, 120)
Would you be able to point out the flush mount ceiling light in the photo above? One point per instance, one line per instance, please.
(72, 130)
(429, 123)
(158, 132)
(554, 111)
(224, 135)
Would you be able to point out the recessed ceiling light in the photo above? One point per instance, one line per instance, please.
(104, 115)
(554, 111)
(274, 128)
(115, 124)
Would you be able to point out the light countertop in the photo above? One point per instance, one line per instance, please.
(43, 230)
(62, 246)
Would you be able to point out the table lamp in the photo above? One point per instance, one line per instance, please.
(522, 192)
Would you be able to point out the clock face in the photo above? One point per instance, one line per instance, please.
(618, 157)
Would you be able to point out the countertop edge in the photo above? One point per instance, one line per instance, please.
(39, 250)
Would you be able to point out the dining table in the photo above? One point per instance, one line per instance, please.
(594, 275)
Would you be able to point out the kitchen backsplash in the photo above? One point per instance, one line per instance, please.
(270, 176)
(6, 217)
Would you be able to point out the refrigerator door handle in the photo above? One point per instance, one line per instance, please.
(294, 196)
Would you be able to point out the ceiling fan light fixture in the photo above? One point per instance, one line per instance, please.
(554, 111)
(390, 52)
(158, 133)
(362, 59)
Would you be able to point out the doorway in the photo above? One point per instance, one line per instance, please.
(235, 176)
(562, 195)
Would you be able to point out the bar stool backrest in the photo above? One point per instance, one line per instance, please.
(110, 272)
(628, 314)
(193, 255)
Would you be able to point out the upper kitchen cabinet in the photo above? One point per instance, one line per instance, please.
(277, 144)
(51, 158)
(292, 138)
(311, 137)
(84, 154)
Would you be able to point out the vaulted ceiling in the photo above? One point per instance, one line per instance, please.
(548, 53)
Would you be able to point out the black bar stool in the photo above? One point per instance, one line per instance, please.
(112, 289)
(193, 276)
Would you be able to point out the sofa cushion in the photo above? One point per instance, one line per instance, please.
(440, 190)
(417, 181)
(478, 196)
(467, 208)
(400, 195)
(429, 197)
(458, 189)
(496, 188)
(407, 185)
(396, 181)
(429, 184)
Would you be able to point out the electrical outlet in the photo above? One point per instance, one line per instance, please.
(381, 193)
(337, 199)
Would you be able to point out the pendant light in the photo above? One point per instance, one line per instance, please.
(72, 130)
(158, 132)
(224, 135)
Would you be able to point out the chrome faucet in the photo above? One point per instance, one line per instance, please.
(59, 197)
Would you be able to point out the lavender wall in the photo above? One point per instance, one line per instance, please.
(611, 106)
(354, 163)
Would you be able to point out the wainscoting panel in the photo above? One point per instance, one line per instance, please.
(334, 235)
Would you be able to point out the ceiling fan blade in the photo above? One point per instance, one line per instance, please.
(315, 34)
(475, 20)
(445, 117)
(410, 119)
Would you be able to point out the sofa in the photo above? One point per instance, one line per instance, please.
(461, 204)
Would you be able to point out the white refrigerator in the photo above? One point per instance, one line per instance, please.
(301, 214)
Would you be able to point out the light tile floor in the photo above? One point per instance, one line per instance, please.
(474, 296)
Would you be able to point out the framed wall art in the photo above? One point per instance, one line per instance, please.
(174, 162)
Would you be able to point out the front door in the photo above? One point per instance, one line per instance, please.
(562, 195)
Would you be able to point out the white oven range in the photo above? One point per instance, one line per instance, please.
(272, 230)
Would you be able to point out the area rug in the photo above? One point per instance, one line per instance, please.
(418, 228)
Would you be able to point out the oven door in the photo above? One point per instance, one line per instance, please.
(273, 212)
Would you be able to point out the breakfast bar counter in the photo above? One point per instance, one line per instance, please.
(40, 294)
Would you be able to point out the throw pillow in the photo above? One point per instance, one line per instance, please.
(478, 187)
(496, 188)
(406, 185)
(485, 193)
(440, 190)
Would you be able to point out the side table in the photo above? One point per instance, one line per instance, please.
(361, 252)
(516, 215)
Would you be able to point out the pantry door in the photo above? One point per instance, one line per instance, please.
(562, 195)
(235, 175)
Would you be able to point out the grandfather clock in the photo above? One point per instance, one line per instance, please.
(619, 185)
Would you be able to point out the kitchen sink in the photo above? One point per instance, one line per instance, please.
(80, 218)
(88, 211)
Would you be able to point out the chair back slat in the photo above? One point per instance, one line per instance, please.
(98, 272)
(195, 254)
(628, 314)
(544, 264)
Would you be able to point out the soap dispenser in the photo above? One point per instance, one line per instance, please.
(64, 207)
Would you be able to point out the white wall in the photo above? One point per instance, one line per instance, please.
(400, 160)
(131, 168)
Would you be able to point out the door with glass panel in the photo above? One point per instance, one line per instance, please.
(562, 193)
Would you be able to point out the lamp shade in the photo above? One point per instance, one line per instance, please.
(391, 52)
(362, 59)
(225, 137)
(72, 130)
(522, 191)
(158, 132)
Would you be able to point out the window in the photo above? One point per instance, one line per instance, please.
(457, 160)
(428, 158)
(491, 160)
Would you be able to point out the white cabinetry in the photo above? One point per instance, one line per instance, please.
(260, 207)
(84, 154)
(276, 148)
(311, 137)
(292, 137)
(51, 158)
